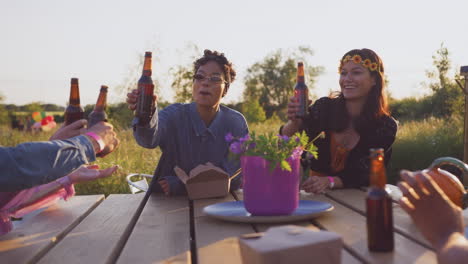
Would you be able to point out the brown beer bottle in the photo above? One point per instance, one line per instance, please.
(74, 111)
(379, 206)
(145, 103)
(99, 112)
(301, 92)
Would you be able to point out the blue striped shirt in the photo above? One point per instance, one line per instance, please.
(185, 141)
(35, 163)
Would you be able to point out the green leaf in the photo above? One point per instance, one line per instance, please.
(285, 165)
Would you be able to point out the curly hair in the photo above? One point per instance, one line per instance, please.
(223, 62)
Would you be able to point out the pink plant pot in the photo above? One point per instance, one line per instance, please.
(269, 193)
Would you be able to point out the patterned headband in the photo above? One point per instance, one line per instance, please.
(372, 66)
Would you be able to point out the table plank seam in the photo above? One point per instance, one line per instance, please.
(119, 246)
(331, 197)
(55, 240)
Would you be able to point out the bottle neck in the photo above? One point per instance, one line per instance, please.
(378, 177)
(147, 73)
(300, 74)
(102, 101)
(74, 95)
(147, 66)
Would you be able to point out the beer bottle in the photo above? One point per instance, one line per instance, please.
(74, 111)
(301, 92)
(98, 114)
(145, 104)
(379, 206)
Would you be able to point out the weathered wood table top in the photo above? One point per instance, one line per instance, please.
(124, 229)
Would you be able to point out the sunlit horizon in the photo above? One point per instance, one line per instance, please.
(45, 43)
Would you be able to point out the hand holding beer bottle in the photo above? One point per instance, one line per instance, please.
(68, 131)
(298, 103)
(99, 112)
(107, 136)
(145, 102)
(132, 99)
(301, 92)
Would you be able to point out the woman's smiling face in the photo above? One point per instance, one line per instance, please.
(356, 81)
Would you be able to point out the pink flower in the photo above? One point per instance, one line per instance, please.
(296, 153)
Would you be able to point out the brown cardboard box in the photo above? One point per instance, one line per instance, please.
(292, 245)
(205, 181)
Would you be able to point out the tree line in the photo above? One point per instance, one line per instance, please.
(268, 84)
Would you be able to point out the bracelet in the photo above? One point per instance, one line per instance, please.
(98, 140)
(332, 182)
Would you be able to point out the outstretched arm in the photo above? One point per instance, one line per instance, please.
(445, 230)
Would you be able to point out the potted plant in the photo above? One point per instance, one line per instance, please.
(270, 168)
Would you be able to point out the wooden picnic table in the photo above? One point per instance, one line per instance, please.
(116, 229)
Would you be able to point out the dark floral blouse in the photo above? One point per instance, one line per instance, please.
(375, 134)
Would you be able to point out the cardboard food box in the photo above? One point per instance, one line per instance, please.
(293, 245)
(205, 181)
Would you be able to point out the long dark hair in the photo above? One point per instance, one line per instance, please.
(376, 105)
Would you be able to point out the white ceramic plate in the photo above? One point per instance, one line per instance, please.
(235, 212)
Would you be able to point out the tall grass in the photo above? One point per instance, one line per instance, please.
(418, 143)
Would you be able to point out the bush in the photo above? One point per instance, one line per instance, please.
(253, 112)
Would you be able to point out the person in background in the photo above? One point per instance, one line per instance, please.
(354, 120)
(193, 134)
(445, 229)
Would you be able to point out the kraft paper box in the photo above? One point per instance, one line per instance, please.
(292, 245)
(205, 181)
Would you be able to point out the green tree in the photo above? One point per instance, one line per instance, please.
(253, 112)
(182, 83)
(447, 97)
(271, 80)
(182, 76)
(33, 107)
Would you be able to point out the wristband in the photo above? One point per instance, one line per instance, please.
(98, 140)
(332, 182)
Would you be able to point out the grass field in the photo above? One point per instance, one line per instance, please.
(417, 145)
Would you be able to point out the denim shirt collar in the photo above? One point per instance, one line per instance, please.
(198, 124)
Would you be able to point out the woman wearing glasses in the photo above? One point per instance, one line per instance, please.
(193, 134)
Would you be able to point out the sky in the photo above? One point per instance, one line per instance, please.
(45, 43)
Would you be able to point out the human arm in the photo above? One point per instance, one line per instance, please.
(35, 163)
(68, 131)
(455, 250)
(318, 184)
(147, 136)
(294, 124)
(35, 197)
(444, 231)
